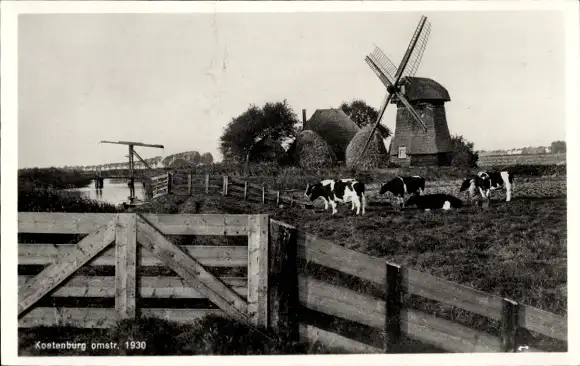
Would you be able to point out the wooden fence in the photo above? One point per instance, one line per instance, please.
(227, 186)
(158, 186)
(269, 296)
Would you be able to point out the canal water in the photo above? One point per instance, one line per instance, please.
(114, 191)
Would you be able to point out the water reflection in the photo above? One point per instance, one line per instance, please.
(113, 191)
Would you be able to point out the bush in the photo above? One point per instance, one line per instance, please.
(52, 200)
(53, 178)
(463, 154)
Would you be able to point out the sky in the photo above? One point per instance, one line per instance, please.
(178, 79)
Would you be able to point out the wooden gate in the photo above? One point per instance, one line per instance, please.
(125, 231)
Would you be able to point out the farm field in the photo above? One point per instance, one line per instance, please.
(515, 249)
(541, 159)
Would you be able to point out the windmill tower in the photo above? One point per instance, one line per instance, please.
(421, 133)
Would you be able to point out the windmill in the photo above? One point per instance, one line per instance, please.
(131, 156)
(419, 137)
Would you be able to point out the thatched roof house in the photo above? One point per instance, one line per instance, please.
(335, 127)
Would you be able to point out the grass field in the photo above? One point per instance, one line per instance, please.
(515, 249)
(540, 159)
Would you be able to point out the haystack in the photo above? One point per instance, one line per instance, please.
(376, 155)
(335, 127)
(311, 151)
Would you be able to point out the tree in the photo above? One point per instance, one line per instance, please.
(195, 158)
(463, 153)
(206, 158)
(558, 147)
(243, 136)
(361, 113)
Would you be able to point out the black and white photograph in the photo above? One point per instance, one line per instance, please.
(268, 179)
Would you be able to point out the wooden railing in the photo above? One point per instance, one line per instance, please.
(158, 186)
(389, 315)
(270, 295)
(226, 185)
(237, 297)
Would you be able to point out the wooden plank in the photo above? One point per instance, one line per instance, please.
(210, 256)
(277, 198)
(190, 184)
(283, 281)
(544, 322)
(341, 302)
(357, 264)
(64, 266)
(328, 254)
(312, 334)
(149, 287)
(347, 304)
(103, 317)
(192, 271)
(509, 325)
(245, 191)
(225, 185)
(207, 184)
(237, 181)
(263, 194)
(61, 222)
(207, 224)
(446, 334)
(451, 293)
(393, 305)
(258, 237)
(126, 265)
(159, 177)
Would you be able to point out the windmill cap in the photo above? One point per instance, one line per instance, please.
(417, 89)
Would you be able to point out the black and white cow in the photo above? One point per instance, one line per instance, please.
(400, 186)
(335, 191)
(434, 201)
(485, 182)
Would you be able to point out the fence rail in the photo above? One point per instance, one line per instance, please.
(270, 294)
(226, 185)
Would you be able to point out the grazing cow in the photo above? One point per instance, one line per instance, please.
(400, 186)
(434, 201)
(338, 190)
(486, 182)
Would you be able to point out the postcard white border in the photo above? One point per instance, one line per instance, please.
(9, 112)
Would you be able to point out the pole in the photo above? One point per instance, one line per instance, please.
(131, 175)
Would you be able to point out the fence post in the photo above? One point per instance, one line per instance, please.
(169, 183)
(207, 183)
(125, 265)
(283, 281)
(258, 236)
(190, 184)
(245, 190)
(263, 194)
(393, 305)
(509, 325)
(225, 186)
(277, 198)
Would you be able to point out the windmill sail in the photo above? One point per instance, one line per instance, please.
(384, 68)
(417, 54)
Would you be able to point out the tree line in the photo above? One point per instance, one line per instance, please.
(262, 134)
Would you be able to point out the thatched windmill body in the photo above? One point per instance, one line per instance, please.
(421, 133)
